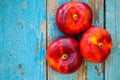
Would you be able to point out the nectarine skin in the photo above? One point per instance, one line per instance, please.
(95, 44)
(73, 18)
(63, 55)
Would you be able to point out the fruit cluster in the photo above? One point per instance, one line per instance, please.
(65, 54)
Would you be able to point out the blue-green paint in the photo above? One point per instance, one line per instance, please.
(52, 29)
(112, 20)
(94, 71)
(20, 34)
(23, 41)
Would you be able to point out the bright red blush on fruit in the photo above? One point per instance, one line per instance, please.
(95, 44)
(63, 55)
(73, 18)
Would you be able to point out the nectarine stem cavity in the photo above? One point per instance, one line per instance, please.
(64, 56)
(75, 17)
(100, 44)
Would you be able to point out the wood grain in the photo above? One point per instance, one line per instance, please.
(92, 71)
(87, 69)
(28, 26)
(112, 20)
(22, 35)
(96, 71)
(53, 33)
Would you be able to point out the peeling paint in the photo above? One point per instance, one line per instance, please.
(49, 39)
(119, 46)
(40, 62)
(43, 27)
(49, 75)
(82, 72)
(44, 44)
(107, 14)
(19, 66)
(52, 9)
(119, 1)
(43, 60)
(118, 15)
(56, 33)
(24, 5)
(53, 6)
(74, 0)
(96, 68)
(37, 46)
(95, 5)
(45, 68)
(22, 73)
(43, 30)
(50, 23)
(55, 76)
(20, 25)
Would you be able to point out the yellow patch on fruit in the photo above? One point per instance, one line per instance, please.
(93, 40)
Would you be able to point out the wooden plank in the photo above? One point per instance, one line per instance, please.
(112, 65)
(22, 39)
(54, 33)
(95, 71)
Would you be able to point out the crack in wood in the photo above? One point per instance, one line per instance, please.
(97, 70)
(22, 73)
(37, 46)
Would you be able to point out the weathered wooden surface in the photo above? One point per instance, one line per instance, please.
(96, 71)
(28, 26)
(22, 40)
(112, 21)
(88, 71)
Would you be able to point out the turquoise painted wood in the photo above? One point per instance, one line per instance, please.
(28, 26)
(22, 45)
(94, 71)
(112, 20)
(54, 33)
